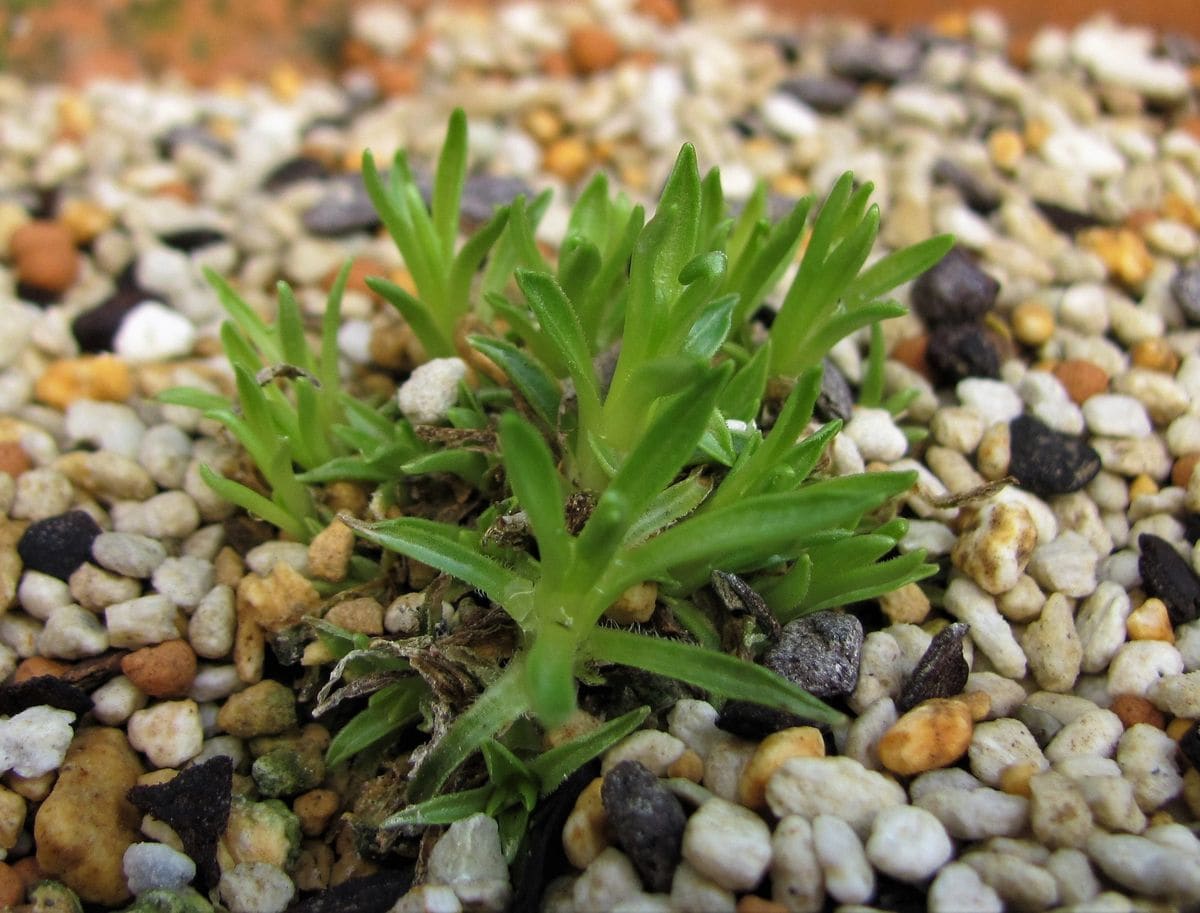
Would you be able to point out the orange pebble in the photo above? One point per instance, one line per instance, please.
(12, 887)
(1154, 354)
(13, 458)
(99, 377)
(44, 255)
(592, 48)
(1081, 378)
(1184, 466)
(37, 666)
(911, 353)
(29, 870)
(1178, 727)
(1133, 709)
(164, 670)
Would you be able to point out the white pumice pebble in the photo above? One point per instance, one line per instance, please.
(832, 785)
(116, 700)
(728, 843)
(431, 390)
(1139, 665)
(998, 744)
(1147, 757)
(958, 887)
(908, 843)
(847, 872)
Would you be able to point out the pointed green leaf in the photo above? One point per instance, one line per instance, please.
(718, 673)
(442, 546)
(531, 380)
(448, 183)
(533, 476)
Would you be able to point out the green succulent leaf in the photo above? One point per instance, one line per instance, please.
(388, 710)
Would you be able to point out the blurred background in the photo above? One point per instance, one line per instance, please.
(210, 40)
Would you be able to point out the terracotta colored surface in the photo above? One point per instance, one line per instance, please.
(207, 40)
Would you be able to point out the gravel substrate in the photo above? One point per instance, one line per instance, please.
(1023, 729)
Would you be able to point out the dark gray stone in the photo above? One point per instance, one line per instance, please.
(646, 820)
(960, 350)
(941, 672)
(1166, 575)
(955, 290)
(819, 652)
(881, 58)
(1046, 461)
(827, 94)
(58, 545)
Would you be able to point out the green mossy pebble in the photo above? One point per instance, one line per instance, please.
(289, 770)
(53, 897)
(163, 900)
(267, 708)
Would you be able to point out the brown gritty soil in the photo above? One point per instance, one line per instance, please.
(206, 41)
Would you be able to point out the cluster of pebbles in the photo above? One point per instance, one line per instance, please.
(1022, 729)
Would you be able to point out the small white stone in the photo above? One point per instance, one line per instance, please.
(958, 887)
(653, 749)
(1145, 866)
(41, 493)
(1021, 883)
(215, 683)
(1178, 695)
(430, 898)
(1067, 565)
(1077, 883)
(185, 581)
(116, 700)
(728, 843)
(169, 733)
(1163, 396)
(154, 332)
(469, 859)
(692, 891)
(609, 879)
(170, 515)
(1100, 623)
(35, 741)
(256, 887)
(111, 427)
(1083, 152)
(212, 626)
(72, 632)
(880, 671)
(998, 744)
(834, 786)
(976, 814)
(1147, 759)
(40, 594)
(876, 434)
(990, 632)
(908, 843)
(128, 554)
(387, 28)
(993, 399)
(150, 866)
(1139, 664)
(1058, 813)
(262, 558)
(723, 765)
(1005, 694)
(788, 116)
(862, 739)
(1116, 415)
(1093, 733)
(431, 390)
(796, 871)
(1052, 645)
(141, 622)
